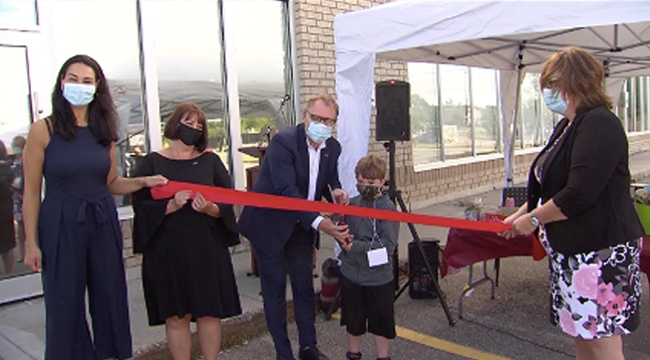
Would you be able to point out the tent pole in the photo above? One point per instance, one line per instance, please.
(511, 170)
(439, 115)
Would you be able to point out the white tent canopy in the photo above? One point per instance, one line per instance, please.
(511, 36)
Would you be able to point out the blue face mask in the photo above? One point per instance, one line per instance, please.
(17, 150)
(318, 132)
(78, 94)
(555, 101)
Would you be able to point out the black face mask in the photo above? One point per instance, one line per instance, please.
(189, 136)
(368, 192)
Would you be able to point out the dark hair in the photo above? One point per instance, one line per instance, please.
(174, 120)
(102, 116)
(577, 73)
(19, 141)
(371, 167)
(3, 151)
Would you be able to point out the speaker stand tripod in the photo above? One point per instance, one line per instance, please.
(396, 197)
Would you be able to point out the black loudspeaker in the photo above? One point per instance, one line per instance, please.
(420, 283)
(393, 100)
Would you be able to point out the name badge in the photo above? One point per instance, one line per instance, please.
(377, 257)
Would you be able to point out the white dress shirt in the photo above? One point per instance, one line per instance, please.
(314, 167)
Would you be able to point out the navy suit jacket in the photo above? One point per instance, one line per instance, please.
(285, 172)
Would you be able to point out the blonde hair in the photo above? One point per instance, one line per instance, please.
(327, 99)
(576, 72)
(371, 167)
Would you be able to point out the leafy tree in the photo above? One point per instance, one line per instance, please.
(455, 114)
(255, 124)
(216, 134)
(421, 114)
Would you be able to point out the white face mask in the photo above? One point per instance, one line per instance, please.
(78, 94)
(555, 101)
(318, 132)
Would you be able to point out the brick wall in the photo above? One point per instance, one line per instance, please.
(457, 181)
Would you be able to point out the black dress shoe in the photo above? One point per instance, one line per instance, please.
(311, 353)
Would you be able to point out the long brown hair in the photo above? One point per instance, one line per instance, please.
(102, 117)
(575, 72)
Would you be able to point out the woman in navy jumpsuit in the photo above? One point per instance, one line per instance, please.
(79, 238)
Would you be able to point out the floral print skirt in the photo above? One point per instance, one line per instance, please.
(596, 294)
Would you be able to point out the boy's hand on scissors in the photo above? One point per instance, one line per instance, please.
(347, 245)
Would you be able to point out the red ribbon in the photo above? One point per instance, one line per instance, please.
(237, 197)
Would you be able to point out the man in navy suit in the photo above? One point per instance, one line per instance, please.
(300, 162)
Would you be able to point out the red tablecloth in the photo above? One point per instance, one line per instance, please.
(645, 255)
(466, 247)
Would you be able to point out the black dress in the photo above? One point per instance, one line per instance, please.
(186, 266)
(7, 234)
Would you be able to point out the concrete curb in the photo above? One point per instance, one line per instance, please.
(235, 331)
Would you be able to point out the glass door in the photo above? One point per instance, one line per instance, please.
(17, 104)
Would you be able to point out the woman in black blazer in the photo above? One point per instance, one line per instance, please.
(579, 201)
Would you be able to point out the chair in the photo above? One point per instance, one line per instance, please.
(520, 194)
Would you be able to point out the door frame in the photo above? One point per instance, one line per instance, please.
(21, 287)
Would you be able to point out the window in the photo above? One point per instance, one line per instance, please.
(487, 129)
(633, 105)
(18, 14)
(188, 59)
(468, 123)
(258, 30)
(14, 94)
(456, 114)
(425, 120)
(530, 125)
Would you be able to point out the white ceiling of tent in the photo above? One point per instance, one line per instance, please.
(625, 49)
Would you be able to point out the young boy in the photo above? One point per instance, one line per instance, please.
(367, 289)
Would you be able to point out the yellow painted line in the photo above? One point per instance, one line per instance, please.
(443, 345)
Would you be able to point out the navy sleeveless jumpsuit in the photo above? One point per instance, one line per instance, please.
(81, 242)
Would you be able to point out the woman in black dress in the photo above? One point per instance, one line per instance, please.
(187, 273)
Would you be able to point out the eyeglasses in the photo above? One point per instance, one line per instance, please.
(552, 82)
(320, 119)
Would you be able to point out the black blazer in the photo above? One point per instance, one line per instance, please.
(285, 172)
(588, 177)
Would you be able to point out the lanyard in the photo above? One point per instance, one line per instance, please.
(375, 235)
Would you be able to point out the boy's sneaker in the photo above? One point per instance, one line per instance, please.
(353, 355)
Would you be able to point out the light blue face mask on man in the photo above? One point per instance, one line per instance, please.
(554, 101)
(318, 132)
(78, 94)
